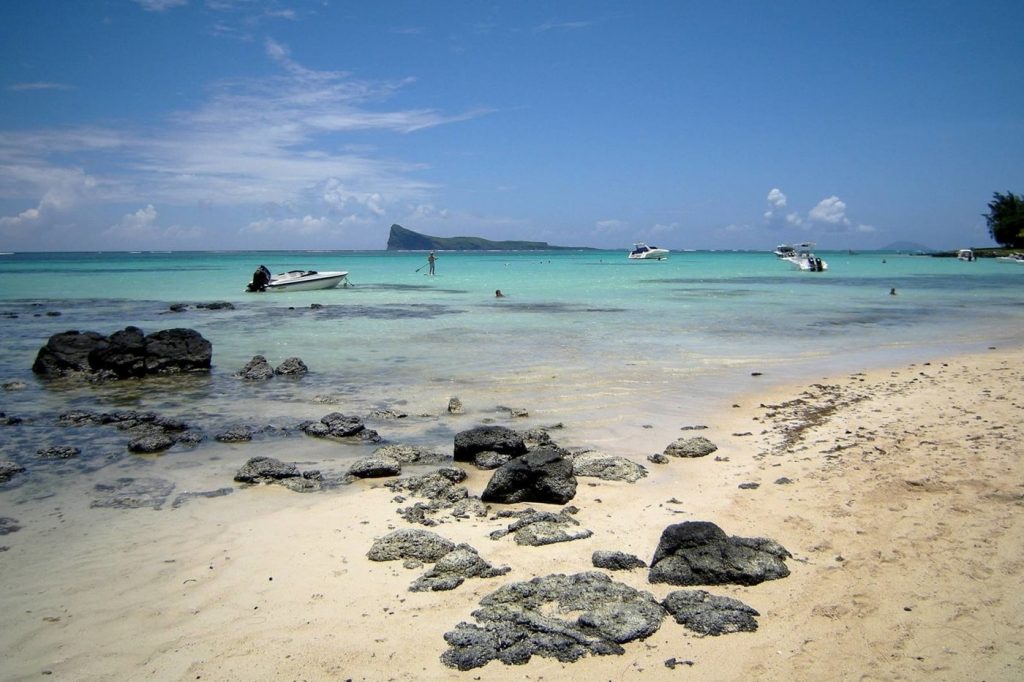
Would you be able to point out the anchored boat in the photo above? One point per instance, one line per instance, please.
(295, 280)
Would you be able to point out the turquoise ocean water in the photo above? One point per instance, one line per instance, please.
(586, 338)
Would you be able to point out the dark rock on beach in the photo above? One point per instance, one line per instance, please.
(536, 528)
(454, 568)
(9, 525)
(707, 614)
(565, 617)
(698, 446)
(487, 439)
(375, 466)
(443, 493)
(544, 475)
(410, 543)
(124, 354)
(606, 467)
(700, 553)
(616, 561)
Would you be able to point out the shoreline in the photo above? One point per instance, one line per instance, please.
(903, 516)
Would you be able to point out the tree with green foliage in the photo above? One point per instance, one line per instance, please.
(1005, 219)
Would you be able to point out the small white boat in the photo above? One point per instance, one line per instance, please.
(801, 256)
(296, 280)
(965, 254)
(643, 252)
(1012, 258)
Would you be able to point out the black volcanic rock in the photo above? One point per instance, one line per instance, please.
(124, 354)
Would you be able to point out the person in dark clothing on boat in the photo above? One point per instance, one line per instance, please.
(260, 279)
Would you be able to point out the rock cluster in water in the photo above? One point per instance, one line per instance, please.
(129, 353)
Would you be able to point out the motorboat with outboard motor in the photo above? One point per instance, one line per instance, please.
(296, 280)
(965, 255)
(642, 251)
(801, 256)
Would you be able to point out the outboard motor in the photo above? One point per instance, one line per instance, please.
(260, 279)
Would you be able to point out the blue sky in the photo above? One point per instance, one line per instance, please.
(266, 124)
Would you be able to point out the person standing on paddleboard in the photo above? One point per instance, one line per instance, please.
(430, 260)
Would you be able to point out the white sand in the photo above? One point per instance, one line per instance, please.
(904, 517)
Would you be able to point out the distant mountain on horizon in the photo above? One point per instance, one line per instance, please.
(402, 239)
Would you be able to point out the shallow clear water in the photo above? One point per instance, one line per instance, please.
(590, 339)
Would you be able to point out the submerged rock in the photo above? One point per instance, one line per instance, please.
(293, 367)
(565, 617)
(133, 493)
(270, 470)
(257, 369)
(700, 553)
(58, 452)
(9, 470)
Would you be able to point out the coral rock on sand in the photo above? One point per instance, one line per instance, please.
(700, 553)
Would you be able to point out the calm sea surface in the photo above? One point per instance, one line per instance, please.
(589, 339)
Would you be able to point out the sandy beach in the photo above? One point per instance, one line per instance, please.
(898, 492)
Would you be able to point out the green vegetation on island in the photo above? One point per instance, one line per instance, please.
(402, 239)
(1005, 219)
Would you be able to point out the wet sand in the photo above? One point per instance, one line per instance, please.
(903, 512)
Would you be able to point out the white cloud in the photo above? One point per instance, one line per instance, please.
(831, 210)
(777, 204)
(62, 190)
(160, 5)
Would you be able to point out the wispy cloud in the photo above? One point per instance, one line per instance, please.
(160, 5)
(42, 85)
(273, 141)
(554, 25)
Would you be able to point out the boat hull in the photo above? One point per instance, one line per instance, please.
(307, 282)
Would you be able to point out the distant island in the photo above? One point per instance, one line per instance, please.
(402, 239)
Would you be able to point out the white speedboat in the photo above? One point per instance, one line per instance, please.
(643, 252)
(296, 280)
(1013, 258)
(965, 254)
(801, 256)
